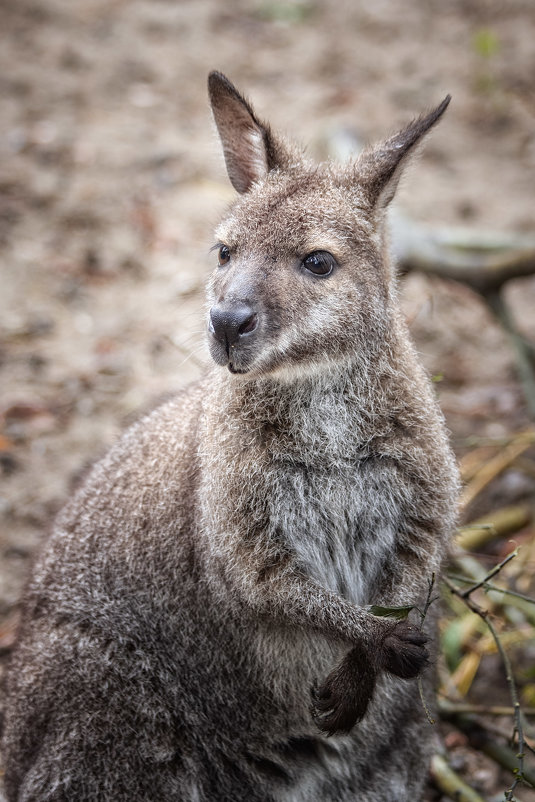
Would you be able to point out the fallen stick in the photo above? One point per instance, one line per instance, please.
(480, 710)
(498, 523)
(493, 468)
(447, 781)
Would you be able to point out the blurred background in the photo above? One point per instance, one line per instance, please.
(111, 181)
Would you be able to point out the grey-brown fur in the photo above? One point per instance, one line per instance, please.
(197, 623)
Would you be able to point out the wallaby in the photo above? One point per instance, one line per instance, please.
(203, 624)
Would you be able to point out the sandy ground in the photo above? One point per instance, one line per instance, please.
(111, 181)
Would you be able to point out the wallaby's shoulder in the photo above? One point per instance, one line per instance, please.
(145, 483)
(161, 435)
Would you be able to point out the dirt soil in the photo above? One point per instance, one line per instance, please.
(111, 181)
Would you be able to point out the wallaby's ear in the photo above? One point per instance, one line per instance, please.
(379, 169)
(250, 149)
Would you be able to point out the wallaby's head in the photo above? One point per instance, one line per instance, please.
(302, 279)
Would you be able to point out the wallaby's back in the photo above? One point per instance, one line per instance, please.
(197, 625)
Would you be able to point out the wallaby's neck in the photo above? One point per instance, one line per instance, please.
(317, 411)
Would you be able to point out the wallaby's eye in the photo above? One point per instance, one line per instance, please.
(224, 255)
(320, 263)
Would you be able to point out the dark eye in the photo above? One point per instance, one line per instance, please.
(224, 255)
(320, 263)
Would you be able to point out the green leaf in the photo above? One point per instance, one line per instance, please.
(391, 612)
(289, 12)
(486, 43)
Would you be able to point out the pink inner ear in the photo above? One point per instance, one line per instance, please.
(243, 136)
(245, 157)
(251, 150)
(257, 158)
(244, 149)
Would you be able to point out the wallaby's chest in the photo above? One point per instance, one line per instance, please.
(340, 521)
(305, 477)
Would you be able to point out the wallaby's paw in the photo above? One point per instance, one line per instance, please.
(403, 651)
(342, 699)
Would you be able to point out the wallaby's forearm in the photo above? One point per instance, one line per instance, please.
(293, 599)
(283, 593)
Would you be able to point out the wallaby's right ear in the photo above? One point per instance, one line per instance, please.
(250, 149)
(380, 167)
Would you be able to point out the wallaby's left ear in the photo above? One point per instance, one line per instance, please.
(250, 148)
(379, 169)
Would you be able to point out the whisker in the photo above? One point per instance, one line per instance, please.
(191, 355)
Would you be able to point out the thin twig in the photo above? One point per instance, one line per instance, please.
(497, 568)
(515, 610)
(490, 586)
(518, 730)
(516, 706)
(428, 602)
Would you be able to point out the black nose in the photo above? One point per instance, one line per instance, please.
(229, 322)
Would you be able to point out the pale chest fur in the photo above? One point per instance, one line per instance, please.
(303, 477)
(341, 523)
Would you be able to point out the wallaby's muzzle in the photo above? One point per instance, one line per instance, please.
(231, 326)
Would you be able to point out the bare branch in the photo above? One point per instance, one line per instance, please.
(516, 604)
(497, 568)
(446, 707)
(518, 769)
(481, 260)
(450, 783)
